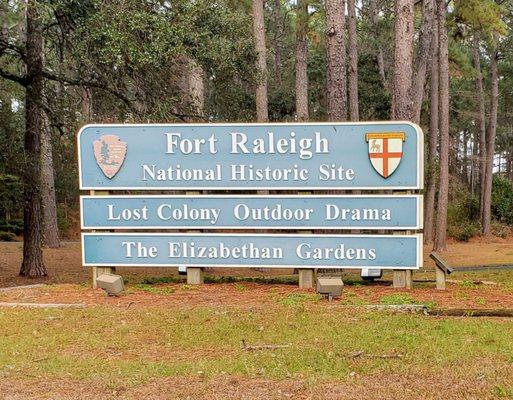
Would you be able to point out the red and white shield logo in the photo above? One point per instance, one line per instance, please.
(385, 151)
(110, 153)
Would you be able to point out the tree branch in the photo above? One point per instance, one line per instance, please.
(84, 82)
(21, 79)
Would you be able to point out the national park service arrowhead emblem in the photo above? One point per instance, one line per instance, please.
(385, 151)
(110, 153)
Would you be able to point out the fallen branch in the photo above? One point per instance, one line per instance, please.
(356, 354)
(397, 307)
(8, 289)
(42, 305)
(471, 312)
(475, 282)
(263, 346)
(361, 353)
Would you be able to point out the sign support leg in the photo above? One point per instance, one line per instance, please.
(440, 278)
(194, 274)
(306, 278)
(97, 271)
(399, 278)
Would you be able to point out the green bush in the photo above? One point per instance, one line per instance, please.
(500, 229)
(502, 199)
(11, 196)
(15, 226)
(465, 231)
(63, 222)
(7, 236)
(462, 212)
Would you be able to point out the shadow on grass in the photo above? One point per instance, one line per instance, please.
(351, 280)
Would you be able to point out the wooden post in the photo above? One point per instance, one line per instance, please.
(97, 271)
(399, 278)
(440, 278)
(194, 274)
(409, 278)
(403, 278)
(306, 278)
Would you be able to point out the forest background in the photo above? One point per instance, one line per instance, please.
(446, 65)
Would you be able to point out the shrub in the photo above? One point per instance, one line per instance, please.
(500, 229)
(465, 231)
(502, 199)
(14, 226)
(11, 195)
(7, 236)
(462, 212)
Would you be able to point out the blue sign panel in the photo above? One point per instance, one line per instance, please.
(251, 250)
(385, 155)
(252, 212)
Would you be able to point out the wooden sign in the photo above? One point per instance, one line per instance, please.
(251, 250)
(252, 212)
(305, 156)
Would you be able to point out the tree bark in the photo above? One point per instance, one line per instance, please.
(302, 61)
(4, 6)
(278, 26)
(86, 104)
(354, 113)
(429, 204)
(22, 22)
(480, 117)
(261, 63)
(196, 89)
(49, 203)
(490, 139)
(373, 15)
(402, 105)
(421, 61)
(33, 264)
(443, 126)
(336, 60)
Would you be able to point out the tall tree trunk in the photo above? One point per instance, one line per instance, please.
(336, 60)
(302, 61)
(490, 139)
(261, 63)
(278, 26)
(374, 18)
(22, 22)
(443, 125)
(510, 164)
(464, 160)
(33, 264)
(402, 106)
(421, 60)
(4, 7)
(49, 203)
(474, 164)
(354, 114)
(480, 117)
(429, 203)
(196, 89)
(86, 104)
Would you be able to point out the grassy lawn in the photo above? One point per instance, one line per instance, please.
(119, 349)
(163, 339)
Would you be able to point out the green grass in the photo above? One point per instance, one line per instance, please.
(282, 279)
(398, 298)
(126, 347)
(156, 289)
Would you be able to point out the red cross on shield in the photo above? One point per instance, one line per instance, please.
(385, 151)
